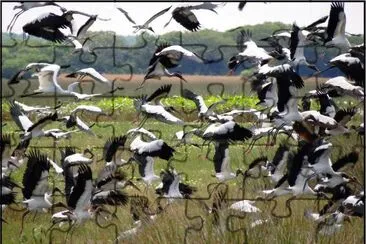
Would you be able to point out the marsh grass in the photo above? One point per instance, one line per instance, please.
(172, 224)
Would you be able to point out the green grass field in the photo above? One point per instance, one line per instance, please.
(171, 225)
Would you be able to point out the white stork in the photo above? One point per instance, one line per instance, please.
(245, 206)
(25, 6)
(221, 162)
(155, 148)
(166, 57)
(35, 184)
(11, 160)
(335, 35)
(297, 176)
(298, 42)
(351, 66)
(146, 24)
(30, 129)
(48, 25)
(78, 196)
(92, 73)
(226, 131)
(277, 166)
(172, 188)
(146, 168)
(252, 53)
(203, 110)
(354, 205)
(184, 15)
(155, 111)
(79, 158)
(343, 86)
(8, 195)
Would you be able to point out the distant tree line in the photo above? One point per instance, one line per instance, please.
(124, 54)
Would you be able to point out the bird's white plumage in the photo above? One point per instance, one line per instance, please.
(25, 108)
(245, 206)
(253, 51)
(77, 158)
(84, 201)
(94, 74)
(159, 110)
(342, 82)
(150, 146)
(346, 58)
(149, 171)
(42, 185)
(88, 108)
(176, 51)
(57, 168)
(312, 115)
(142, 131)
(219, 129)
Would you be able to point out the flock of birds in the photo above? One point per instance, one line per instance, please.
(305, 170)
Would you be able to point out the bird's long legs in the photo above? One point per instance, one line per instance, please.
(12, 22)
(23, 217)
(142, 122)
(141, 85)
(31, 94)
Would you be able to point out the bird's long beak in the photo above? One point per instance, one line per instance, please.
(11, 163)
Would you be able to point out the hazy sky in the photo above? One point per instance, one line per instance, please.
(228, 15)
